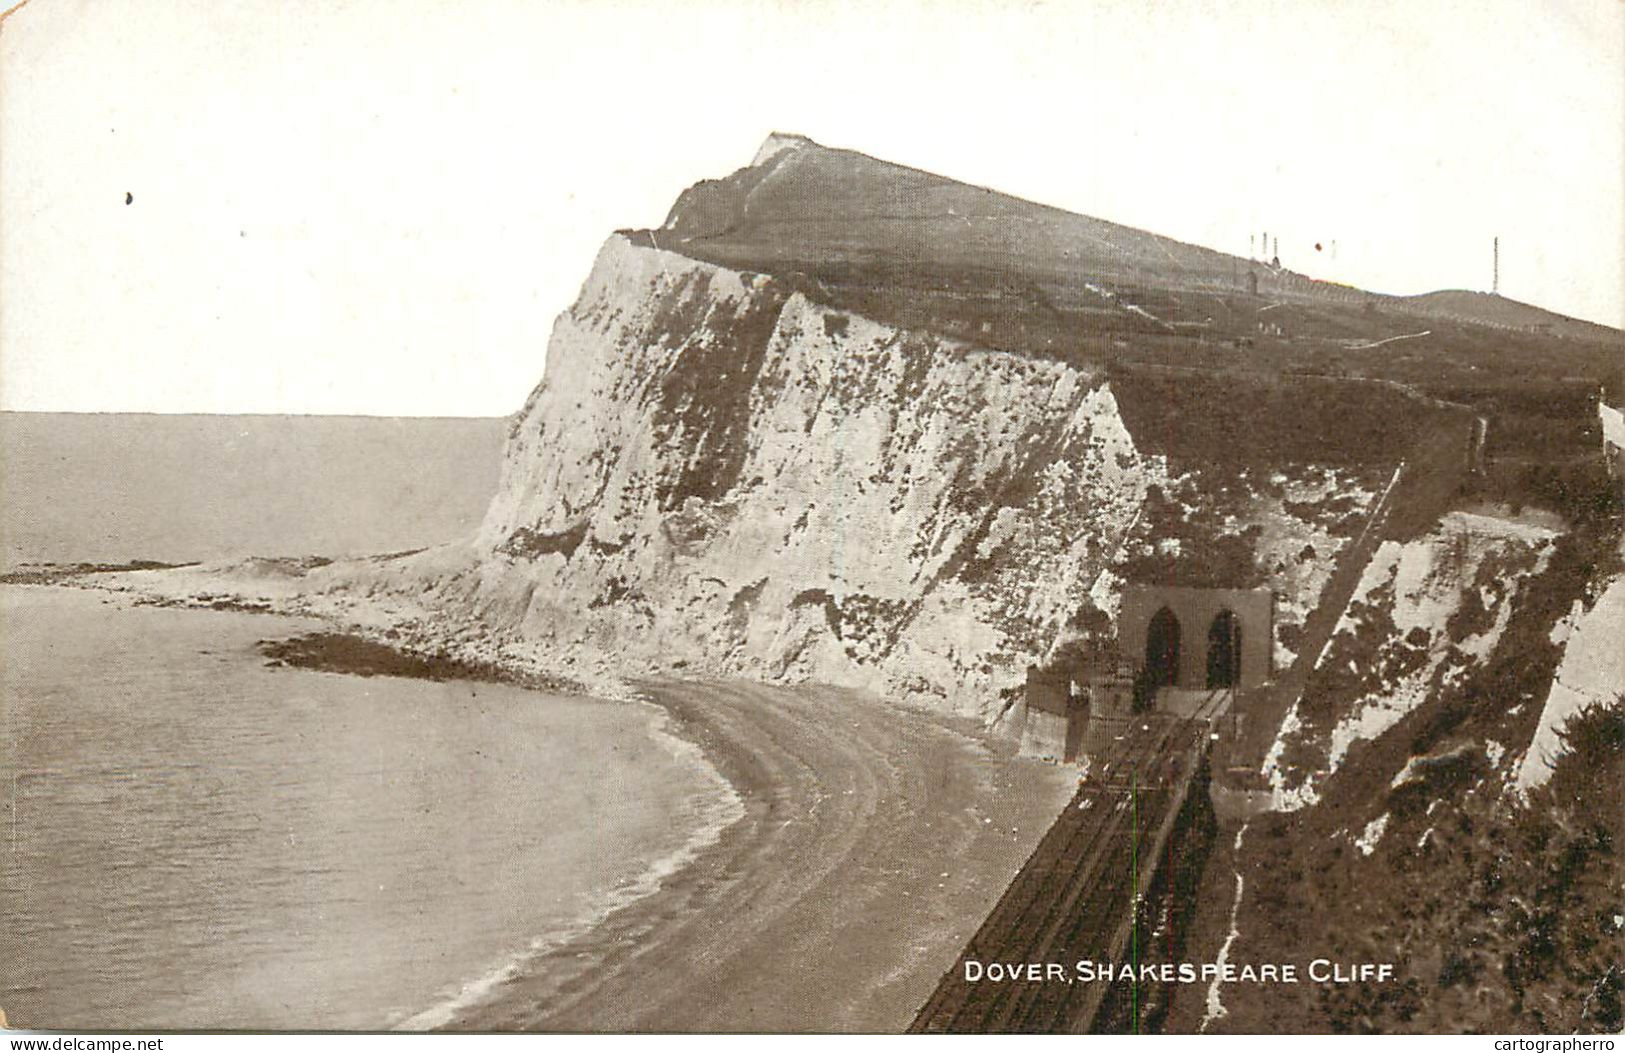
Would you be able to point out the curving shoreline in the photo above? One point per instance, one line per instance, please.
(873, 841)
(366, 847)
(854, 848)
(712, 810)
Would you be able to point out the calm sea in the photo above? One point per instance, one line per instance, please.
(189, 839)
(194, 840)
(112, 487)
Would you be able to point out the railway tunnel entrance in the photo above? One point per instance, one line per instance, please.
(1168, 621)
(1162, 649)
(1224, 650)
(1173, 647)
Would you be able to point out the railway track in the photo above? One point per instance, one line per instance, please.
(1074, 897)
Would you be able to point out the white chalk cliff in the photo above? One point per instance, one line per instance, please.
(803, 432)
(718, 476)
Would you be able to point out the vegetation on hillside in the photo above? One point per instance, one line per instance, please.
(1500, 912)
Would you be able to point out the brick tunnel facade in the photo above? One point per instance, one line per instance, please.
(1200, 638)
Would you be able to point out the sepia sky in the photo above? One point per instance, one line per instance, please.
(378, 206)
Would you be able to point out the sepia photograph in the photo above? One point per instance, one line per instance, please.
(803, 516)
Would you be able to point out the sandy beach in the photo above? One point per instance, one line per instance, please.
(875, 840)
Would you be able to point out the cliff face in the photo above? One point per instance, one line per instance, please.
(1450, 786)
(717, 475)
(1425, 616)
(1592, 672)
(843, 420)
